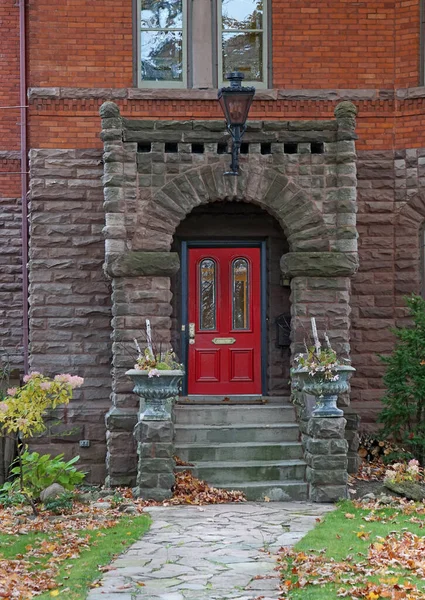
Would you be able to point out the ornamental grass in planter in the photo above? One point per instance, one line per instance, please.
(157, 379)
(320, 373)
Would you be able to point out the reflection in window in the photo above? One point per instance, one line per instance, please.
(240, 283)
(162, 40)
(242, 38)
(207, 293)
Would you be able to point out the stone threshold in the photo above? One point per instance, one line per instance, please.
(230, 400)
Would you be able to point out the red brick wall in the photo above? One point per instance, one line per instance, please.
(407, 37)
(9, 78)
(316, 43)
(341, 44)
(72, 123)
(80, 43)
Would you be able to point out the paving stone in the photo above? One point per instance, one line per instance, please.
(209, 553)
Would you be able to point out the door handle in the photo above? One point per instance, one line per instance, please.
(191, 333)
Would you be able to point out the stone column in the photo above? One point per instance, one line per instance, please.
(141, 290)
(326, 457)
(320, 288)
(155, 447)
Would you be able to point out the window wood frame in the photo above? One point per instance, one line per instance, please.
(266, 33)
(169, 84)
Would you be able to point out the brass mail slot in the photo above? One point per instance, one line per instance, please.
(223, 341)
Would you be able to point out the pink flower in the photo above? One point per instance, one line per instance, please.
(45, 385)
(12, 391)
(32, 375)
(76, 381)
(3, 407)
(73, 380)
(154, 373)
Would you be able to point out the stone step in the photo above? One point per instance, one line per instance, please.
(232, 414)
(198, 434)
(232, 400)
(232, 472)
(274, 491)
(239, 451)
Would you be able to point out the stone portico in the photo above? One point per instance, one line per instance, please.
(156, 173)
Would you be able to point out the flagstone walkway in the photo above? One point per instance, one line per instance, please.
(213, 552)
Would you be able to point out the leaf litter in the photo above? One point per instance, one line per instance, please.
(35, 572)
(393, 560)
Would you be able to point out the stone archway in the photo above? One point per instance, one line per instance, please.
(153, 178)
(221, 222)
(293, 207)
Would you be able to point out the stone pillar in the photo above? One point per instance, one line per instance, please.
(326, 457)
(320, 288)
(141, 289)
(155, 447)
(118, 189)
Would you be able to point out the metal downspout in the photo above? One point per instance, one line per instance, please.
(24, 177)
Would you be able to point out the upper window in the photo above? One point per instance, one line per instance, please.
(185, 43)
(163, 33)
(242, 39)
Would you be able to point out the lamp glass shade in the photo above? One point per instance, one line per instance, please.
(235, 105)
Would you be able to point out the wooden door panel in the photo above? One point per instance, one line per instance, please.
(241, 365)
(207, 365)
(224, 308)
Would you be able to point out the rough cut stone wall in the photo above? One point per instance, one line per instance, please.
(70, 298)
(391, 212)
(11, 301)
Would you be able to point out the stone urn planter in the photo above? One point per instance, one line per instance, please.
(158, 392)
(325, 391)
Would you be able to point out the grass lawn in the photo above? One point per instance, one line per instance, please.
(366, 553)
(64, 563)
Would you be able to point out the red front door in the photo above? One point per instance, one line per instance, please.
(224, 321)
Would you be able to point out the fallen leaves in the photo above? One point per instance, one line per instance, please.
(190, 490)
(34, 572)
(394, 558)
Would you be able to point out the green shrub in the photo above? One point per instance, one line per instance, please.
(9, 497)
(60, 504)
(40, 471)
(403, 415)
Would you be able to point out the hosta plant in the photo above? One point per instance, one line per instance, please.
(22, 411)
(40, 471)
(60, 504)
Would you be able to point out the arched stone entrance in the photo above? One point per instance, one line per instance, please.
(155, 175)
(221, 222)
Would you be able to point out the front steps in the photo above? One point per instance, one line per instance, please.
(253, 448)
